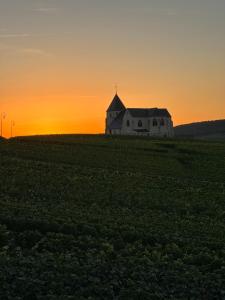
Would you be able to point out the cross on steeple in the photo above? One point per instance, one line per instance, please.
(116, 88)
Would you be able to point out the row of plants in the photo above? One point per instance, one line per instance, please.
(91, 217)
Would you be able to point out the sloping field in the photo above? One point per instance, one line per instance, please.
(209, 130)
(94, 217)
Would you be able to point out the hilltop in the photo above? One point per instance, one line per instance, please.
(202, 130)
(95, 217)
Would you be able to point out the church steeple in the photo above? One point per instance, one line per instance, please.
(116, 104)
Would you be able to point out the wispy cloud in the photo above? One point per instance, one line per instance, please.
(14, 35)
(21, 35)
(33, 51)
(12, 50)
(45, 10)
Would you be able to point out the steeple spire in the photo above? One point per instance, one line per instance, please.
(116, 104)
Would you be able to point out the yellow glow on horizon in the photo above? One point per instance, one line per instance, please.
(61, 116)
(47, 104)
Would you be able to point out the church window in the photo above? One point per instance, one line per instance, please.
(162, 122)
(155, 123)
(128, 123)
(139, 123)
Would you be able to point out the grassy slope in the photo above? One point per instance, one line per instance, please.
(112, 218)
(211, 130)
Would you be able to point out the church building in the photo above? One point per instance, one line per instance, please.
(155, 122)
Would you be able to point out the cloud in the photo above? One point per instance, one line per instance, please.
(33, 51)
(45, 10)
(15, 35)
(12, 50)
(21, 35)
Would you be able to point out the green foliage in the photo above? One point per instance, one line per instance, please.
(3, 236)
(93, 217)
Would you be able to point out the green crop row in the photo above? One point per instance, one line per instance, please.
(94, 217)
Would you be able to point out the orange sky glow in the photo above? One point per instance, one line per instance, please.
(58, 71)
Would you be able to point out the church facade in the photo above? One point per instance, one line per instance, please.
(153, 122)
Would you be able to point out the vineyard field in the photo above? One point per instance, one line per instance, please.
(96, 217)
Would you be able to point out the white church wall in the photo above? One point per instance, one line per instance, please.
(125, 128)
(147, 124)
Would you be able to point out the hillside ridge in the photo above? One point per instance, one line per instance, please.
(214, 129)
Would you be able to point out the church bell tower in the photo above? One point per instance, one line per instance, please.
(113, 110)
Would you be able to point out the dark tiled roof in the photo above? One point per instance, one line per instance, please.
(117, 123)
(148, 112)
(116, 105)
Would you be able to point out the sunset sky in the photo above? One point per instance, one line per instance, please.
(60, 60)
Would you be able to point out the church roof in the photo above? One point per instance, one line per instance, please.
(116, 104)
(148, 112)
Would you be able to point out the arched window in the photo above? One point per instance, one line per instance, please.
(128, 123)
(139, 123)
(162, 122)
(155, 123)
